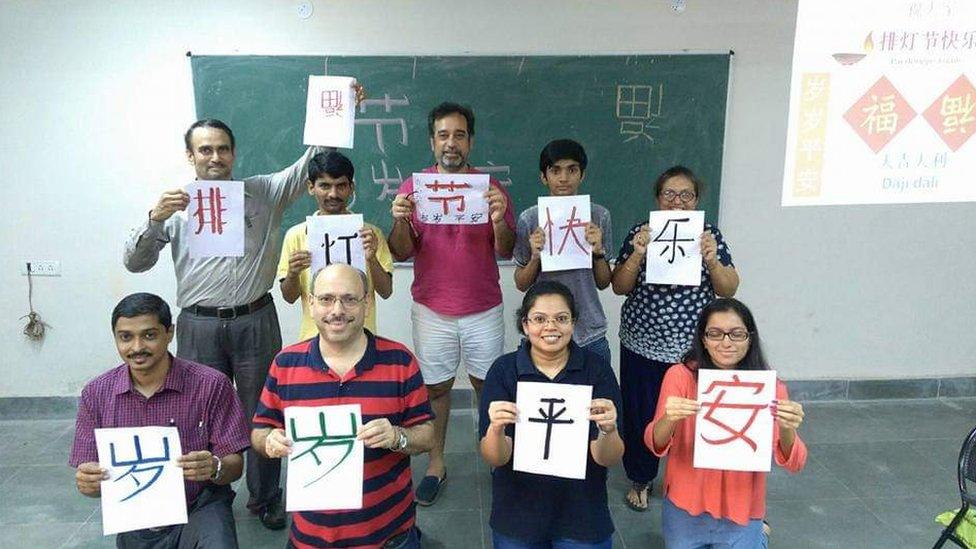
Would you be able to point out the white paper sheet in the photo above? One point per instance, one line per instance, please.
(734, 428)
(881, 103)
(145, 487)
(330, 112)
(451, 199)
(556, 446)
(674, 252)
(215, 219)
(335, 239)
(325, 467)
(563, 219)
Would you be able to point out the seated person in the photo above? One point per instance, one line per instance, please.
(151, 383)
(530, 510)
(709, 507)
(346, 364)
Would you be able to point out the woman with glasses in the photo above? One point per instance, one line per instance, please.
(530, 510)
(710, 507)
(657, 322)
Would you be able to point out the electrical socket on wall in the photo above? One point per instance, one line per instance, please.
(41, 268)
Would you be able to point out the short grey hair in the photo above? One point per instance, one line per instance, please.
(362, 278)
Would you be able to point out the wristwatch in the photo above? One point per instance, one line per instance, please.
(217, 469)
(401, 442)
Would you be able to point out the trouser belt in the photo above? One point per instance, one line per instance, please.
(228, 313)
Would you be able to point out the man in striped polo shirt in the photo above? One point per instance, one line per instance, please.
(346, 364)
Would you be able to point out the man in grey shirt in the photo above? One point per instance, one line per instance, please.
(227, 318)
(562, 167)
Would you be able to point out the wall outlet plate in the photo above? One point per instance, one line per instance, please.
(41, 268)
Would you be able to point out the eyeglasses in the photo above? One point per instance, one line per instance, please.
(542, 320)
(685, 196)
(347, 301)
(738, 335)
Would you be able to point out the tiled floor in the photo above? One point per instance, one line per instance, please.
(877, 475)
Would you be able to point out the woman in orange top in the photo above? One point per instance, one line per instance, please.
(706, 507)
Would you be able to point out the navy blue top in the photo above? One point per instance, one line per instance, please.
(535, 508)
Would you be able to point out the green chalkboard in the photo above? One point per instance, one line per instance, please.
(635, 115)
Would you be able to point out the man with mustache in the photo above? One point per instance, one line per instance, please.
(346, 364)
(331, 183)
(227, 318)
(457, 312)
(154, 388)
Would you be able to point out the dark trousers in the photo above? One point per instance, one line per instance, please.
(210, 526)
(242, 348)
(640, 385)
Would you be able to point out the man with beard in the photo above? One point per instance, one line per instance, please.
(330, 182)
(347, 365)
(457, 311)
(154, 388)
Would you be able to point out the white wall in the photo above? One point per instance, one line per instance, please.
(95, 97)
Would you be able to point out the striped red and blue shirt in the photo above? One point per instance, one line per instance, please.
(386, 382)
(196, 399)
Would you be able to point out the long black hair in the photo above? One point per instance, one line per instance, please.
(754, 359)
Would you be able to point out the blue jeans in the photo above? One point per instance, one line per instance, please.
(499, 541)
(685, 531)
(599, 347)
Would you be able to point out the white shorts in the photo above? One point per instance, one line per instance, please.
(442, 342)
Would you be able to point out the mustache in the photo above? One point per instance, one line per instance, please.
(341, 317)
(139, 355)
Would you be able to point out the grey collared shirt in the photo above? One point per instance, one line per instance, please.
(226, 281)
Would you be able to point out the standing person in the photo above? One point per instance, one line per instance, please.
(331, 182)
(154, 388)
(347, 365)
(709, 507)
(529, 511)
(657, 322)
(457, 312)
(227, 319)
(562, 167)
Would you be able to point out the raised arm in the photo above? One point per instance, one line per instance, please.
(146, 241)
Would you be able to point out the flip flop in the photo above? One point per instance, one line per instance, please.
(428, 489)
(643, 493)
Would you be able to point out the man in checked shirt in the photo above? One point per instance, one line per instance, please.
(153, 388)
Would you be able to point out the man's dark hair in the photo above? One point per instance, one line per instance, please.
(447, 108)
(562, 149)
(334, 164)
(539, 289)
(208, 123)
(142, 304)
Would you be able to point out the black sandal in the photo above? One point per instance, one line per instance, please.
(643, 490)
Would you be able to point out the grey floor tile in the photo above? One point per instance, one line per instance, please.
(815, 481)
(942, 453)
(90, 535)
(451, 529)
(463, 487)
(35, 442)
(913, 518)
(251, 534)
(638, 530)
(965, 406)
(39, 534)
(8, 472)
(882, 469)
(462, 432)
(828, 523)
(831, 422)
(44, 493)
(930, 418)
